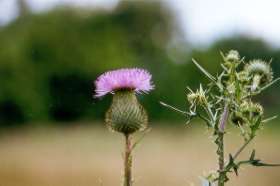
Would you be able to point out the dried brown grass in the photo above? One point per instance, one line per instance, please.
(91, 156)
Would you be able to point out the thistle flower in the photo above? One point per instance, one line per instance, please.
(249, 107)
(260, 71)
(243, 76)
(257, 109)
(135, 79)
(126, 114)
(197, 97)
(246, 110)
(233, 56)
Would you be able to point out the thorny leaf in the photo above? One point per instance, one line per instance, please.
(173, 108)
(269, 119)
(252, 157)
(205, 72)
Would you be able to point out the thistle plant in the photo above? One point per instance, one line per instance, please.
(125, 115)
(228, 99)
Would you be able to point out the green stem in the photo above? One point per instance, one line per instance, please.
(220, 142)
(220, 152)
(210, 113)
(128, 161)
(242, 148)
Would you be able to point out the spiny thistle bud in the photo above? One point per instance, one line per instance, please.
(233, 56)
(245, 107)
(257, 109)
(198, 97)
(249, 107)
(243, 76)
(260, 71)
(246, 110)
(126, 114)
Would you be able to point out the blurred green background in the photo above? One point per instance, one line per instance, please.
(51, 128)
(49, 60)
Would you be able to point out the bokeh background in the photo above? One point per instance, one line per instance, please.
(51, 51)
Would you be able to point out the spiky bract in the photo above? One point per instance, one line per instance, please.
(126, 114)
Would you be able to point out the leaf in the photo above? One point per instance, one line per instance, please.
(223, 56)
(219, 81)
(258, 163)
(231, 160)
(231, 164)
(174, 108)
(252, 157)
(212, 78)
(269, 119)
(269, 84)
(235, 168)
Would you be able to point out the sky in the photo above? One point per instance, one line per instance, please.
(203, 21)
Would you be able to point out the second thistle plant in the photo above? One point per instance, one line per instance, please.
(228, 98)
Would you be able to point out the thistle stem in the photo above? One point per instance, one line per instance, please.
(128, 161)
(223, 119)
(220, 143)
(220, 152)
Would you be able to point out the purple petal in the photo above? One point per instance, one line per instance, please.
(135, 79)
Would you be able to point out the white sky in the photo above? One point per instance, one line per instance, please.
(202, 20)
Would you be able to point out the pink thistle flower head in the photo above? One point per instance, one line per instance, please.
(136, 79)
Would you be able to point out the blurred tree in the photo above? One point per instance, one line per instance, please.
(23, 8)
(48, 60)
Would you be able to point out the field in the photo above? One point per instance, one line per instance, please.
(83, 155)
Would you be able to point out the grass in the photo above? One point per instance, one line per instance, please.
(91, 156)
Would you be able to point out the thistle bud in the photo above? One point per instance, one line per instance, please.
(233, 56)
(249, 107)
(245, 107)
(243, 76)
(261, 73)
(198, 97)
(257, 109)
(126, 114)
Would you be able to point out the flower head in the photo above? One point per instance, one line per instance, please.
(249, 107)
(261, 68)
(197, 97)
(138, 80)
(233, 56)
(243, 76)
